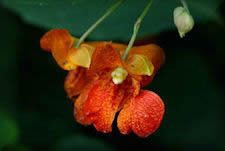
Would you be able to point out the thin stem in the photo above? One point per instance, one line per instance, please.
(108, 12)
(185, 5)
(136, 29)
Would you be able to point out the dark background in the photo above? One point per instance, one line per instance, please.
(35, 113)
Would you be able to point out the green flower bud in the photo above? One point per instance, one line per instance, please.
(183, 20)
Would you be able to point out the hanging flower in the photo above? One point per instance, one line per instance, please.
(107, 84)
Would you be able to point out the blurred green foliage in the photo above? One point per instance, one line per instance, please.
(82, 143)
(8, 130)
(78, 15)
(35, 113)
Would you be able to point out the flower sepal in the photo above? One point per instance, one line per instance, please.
(81, 56)
(139, 65)
(61, 44)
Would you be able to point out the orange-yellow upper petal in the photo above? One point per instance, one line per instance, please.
(59, 42)
(142, 115)
(47, 41)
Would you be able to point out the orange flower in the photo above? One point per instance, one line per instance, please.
(110, 85)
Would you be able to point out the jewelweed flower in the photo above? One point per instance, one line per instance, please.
(110, 85)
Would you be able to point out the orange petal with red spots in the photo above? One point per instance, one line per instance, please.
(142, 115)
(75, 82)
(102, 104)
(79, 105)
(105, 57)
(131, 88)
(124, 120)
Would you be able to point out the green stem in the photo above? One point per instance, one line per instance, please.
(185, 5)
(136, 29)
(108, 12)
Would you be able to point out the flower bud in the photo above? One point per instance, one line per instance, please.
(119, 75)
(183, 20)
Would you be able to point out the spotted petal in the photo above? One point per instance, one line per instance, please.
(99, 103)
(142, 115)
(102, 104)
(104, 58)
(75, 82)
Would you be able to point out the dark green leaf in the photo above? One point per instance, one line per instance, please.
(78, 15)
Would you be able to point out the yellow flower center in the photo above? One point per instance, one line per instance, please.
(119, 75)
